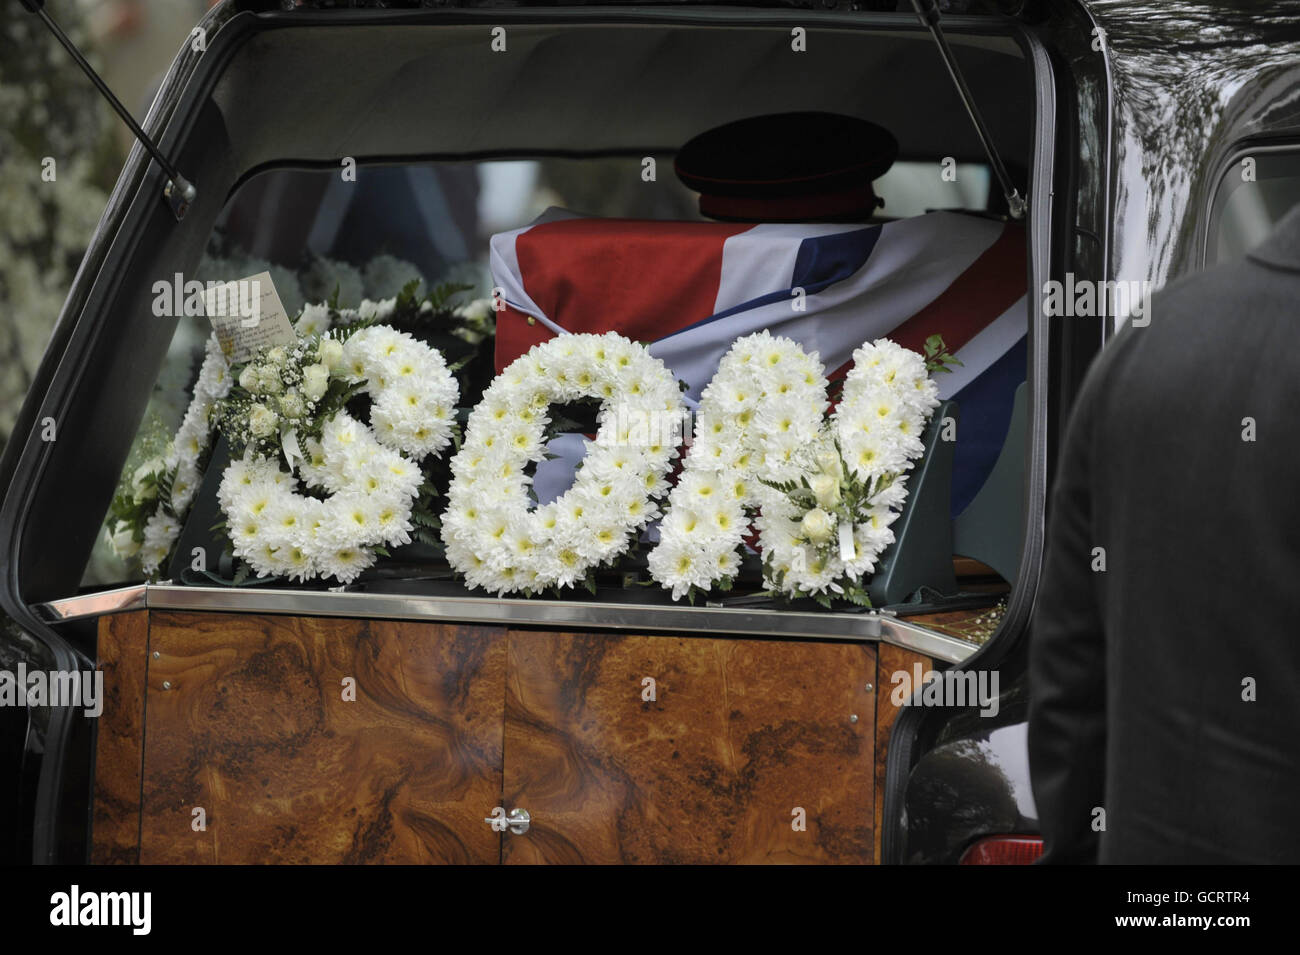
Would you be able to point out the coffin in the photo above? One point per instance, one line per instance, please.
(251, 737)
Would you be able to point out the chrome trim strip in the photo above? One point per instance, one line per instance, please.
(864, 627)
(94, 605)
(731, 621)
(932, 643)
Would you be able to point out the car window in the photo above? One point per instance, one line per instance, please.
(356, 238)
(911, 187)
(1255, 191)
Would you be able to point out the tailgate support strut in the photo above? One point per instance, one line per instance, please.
(179, 191)
(928, 11)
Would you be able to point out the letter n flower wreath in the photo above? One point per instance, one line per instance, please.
(822, 493)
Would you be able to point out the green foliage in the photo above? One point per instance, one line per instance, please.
(937, 358)
(341, 333)
(425, 518)
(441, 295)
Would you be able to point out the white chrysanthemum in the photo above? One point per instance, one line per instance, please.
(160, 532)
(354, 517)
(345, 563)
(184, 486)
(763, 406)
(376, 310)
(815, 573)
(314, 320)
(684, 524)
(681, 565)
(413, 392)
(385, 274)
(326, 276)
(191, 441)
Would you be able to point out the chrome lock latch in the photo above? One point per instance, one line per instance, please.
(517, 820)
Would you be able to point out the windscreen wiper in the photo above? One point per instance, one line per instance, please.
(928, 11)
(179, 191)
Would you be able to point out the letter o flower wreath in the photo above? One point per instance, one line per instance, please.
(491, 535)
(370, 478)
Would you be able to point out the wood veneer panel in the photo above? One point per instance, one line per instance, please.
(122, 655)
(253, 728)
(741, 733)
(891, 660)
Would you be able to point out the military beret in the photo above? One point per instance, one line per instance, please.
(788, 167)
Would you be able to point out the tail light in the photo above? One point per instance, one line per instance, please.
(1003, 850)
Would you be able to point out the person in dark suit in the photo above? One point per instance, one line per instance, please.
(1164, 719)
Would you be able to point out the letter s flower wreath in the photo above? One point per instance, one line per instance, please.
(156, 493)
(290, 405)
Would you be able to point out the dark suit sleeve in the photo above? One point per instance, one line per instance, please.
(1067, 655)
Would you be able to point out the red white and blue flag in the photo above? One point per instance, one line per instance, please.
(690, 289)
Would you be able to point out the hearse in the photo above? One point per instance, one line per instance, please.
(344, 148)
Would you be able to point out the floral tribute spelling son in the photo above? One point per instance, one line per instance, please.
(314, 492)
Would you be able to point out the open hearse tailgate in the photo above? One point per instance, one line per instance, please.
(403, 717)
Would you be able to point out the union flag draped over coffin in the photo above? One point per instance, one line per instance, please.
(692, 288)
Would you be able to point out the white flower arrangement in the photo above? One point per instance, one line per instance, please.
(331, 280)
(491, 536)
(766, 400)
(370, 478)
(824, 532)
(826, 493)
(163, 488)
(386, 272)
(154, 497)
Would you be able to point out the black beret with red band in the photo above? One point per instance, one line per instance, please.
(788, 167)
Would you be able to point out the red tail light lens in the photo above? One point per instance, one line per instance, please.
(1003, 850)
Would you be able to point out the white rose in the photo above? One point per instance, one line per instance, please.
(826, 488)
(123, 541)
(329, 352)
(268, 380)
(262, 420)
(143, 493)
(152, 466)
(276, 355)
(817, 526)
(292, 405)
(828, 461)
(477, 310)
(315, 381)
(248, 378)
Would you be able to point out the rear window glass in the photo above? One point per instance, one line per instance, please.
(417, 242)
(1254, 194)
